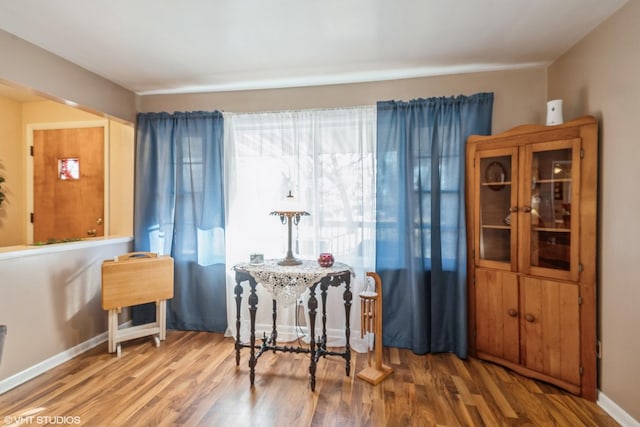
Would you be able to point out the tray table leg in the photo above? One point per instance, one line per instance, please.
(112, 324)
(161, 318)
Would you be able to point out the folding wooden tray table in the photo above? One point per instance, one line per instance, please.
(132, 279)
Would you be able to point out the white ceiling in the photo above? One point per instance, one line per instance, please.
(169, 46)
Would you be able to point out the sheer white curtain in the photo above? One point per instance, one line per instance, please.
(327, 159)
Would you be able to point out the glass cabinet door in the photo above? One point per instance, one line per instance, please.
(496, 197)
(550, 185)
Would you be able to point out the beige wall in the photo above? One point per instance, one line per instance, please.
(601, 76)
(121, 179)
(53, 112)
(50, 299)
(11, 210)
(14, 118)
(31, 67)
(51, 302)
(50, 296)
(520, 96)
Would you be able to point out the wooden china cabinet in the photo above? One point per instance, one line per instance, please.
(531, 215)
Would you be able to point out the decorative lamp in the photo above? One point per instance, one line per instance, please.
(289, 215)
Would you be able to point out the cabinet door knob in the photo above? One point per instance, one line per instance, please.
(530, 318)
(526, 209)
(512, 312)
(513, 209)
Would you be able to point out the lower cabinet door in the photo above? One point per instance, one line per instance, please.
(550, 332)
(497, 326)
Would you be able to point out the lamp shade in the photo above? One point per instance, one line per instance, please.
(290, 203)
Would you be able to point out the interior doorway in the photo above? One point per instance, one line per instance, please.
(68, 181)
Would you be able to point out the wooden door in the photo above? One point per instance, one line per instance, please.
(66, 206)
(551, 328)
(497, 324)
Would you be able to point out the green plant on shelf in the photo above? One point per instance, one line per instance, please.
(53, 241)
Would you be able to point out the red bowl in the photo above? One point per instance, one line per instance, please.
(325, 259)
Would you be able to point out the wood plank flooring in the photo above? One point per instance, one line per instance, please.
(192, 380)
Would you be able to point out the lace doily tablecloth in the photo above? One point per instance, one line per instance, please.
(287, 283)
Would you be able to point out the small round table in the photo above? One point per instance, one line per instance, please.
(286, 284)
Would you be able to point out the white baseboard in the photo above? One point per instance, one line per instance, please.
(616, 412)
(50, 363)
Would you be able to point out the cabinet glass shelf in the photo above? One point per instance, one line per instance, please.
(552, 230)
(497, 227)
(495, 184)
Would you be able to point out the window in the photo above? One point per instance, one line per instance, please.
(326, 158)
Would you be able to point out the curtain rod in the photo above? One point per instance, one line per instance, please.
(300, 110)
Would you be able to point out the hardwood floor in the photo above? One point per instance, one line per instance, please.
(192, 380)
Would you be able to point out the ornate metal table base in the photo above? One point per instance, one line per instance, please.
(317, 348)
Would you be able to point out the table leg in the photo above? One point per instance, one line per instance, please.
(274, 331)
(253, 303)
(323, 289)
(312, 305)
(238, 292)
(347, 296)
